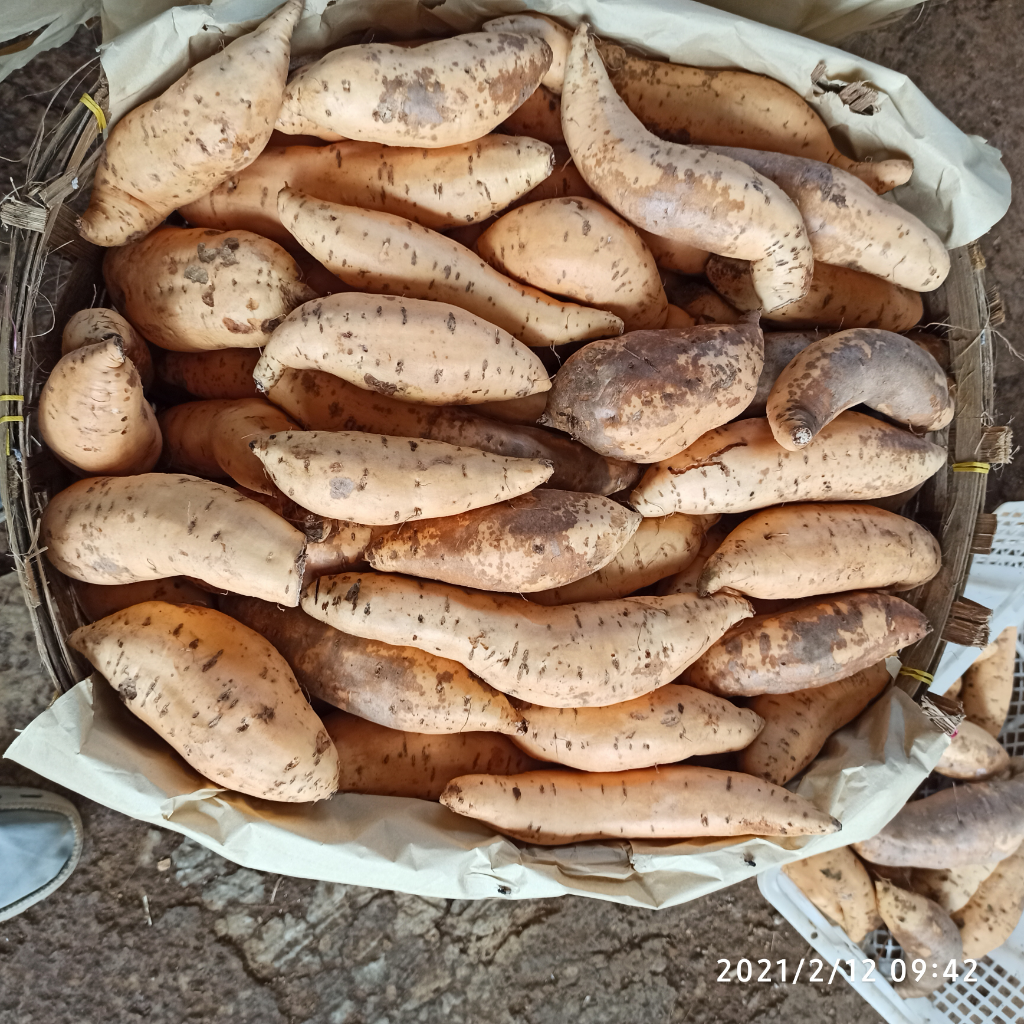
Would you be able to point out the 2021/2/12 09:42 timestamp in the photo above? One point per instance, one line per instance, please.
(820, 971)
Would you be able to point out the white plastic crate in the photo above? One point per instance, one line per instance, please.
(995, 994)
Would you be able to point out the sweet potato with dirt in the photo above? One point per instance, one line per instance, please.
(211, 122)
(879, 369)
(222, 373)
(219, 694)
(535, 542)
(98, 600)
(650, 394)
(442, 93)
(951, 888)
(415, 350)
(674, 802)
(93, 413)
(557, 37)
(814, 643)
(132, 528)
(527, 411)
(993, 912)
(379, 252)
(740, 466)
(88, 326)
(988, 683)
(973, 754)
(580, 249)
(195, 289)
(838, 884)
(582, 655)
(779, 349)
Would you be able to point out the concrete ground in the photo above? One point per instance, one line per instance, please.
(232, 946)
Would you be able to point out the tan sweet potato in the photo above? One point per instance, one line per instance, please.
(537, 541)
(988, 683)
(676, 256)
(992, 913)
(681, 192)
(797, 725)
(194, 289)
(133, 528)
(879, 369)
(838, 884)
(686, 580)
(219, 694)
(222, 373)
(817, 642)
(650, 394)
(675, 802)
(797, 551)
(564, 180)
(740, 466)
(540, 117)
(188, 437)
(580, 249)
(951, 888)
(972, 754)
(582, 655)
(233, 429)
(558, 39)
(678, 318)
(97, 600)
(88, 326)
(210, 123)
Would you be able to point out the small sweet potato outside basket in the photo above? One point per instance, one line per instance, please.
(86, 739)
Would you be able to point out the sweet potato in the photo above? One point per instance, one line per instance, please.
(380, 252)
(675, 802)
(232, 430)
(817, 642)
(564, 180)
(148, 527)
(779, 349)
(659, 548)
(516, 410)
(341, 550)
(440, 188)
(380, 480)
(672, 723)
(400, 687)
(953, 693)
(97, 600)
(537, 541)
(699, 300)
(849, 225)
(741, 466)
(219, 694)
(879, 369)
(973, 754)
(540, 117)
(650, 394)
(838, 884)
(210, 123)
(321, 402)
(222, 373)
(188, 437)
(686, 580)
(976, 823)
(580, 249)
(685, 193)
(678, 319)
(194, 289)
(93, 413)
(582, 655)
(443, 93)
(837, 298)
(412, 349)
(804, 550)
(710, 107)
(88, 326)
(676, 256)
(797, 725)
(951, 888)
(558, 39)
(388, 762)
(988, 683)
(925, 932)
(992, 913)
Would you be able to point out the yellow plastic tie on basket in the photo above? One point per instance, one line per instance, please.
(917, 673)
(10, 419)
(971, 467)
(97, 111)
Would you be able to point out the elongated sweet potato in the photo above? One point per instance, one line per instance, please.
(536, 541)
(710, 107)
(879, 369)
(951, 888)
(93, 413)
(222, 373)
(659, 548)
(400, 687)
(650, 394)
(97, 600)
(671, 724)
(188, 437)
(582, 655)
(988, 683)
(681, 192)
(88, 326)
(797, 725)
(558, 39)
(440, 188)
(540, 117)
(580, 249)
(442, 93)
(838, 884)
(796, 551)
(818, 642)
(320, 401)
(992, 913)
(193, 289)
(127, 529)
(972, 754)
(740, 466)
(412, 349)
(219, 694)
(380, 252)
(674, 802)
(210, 123)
